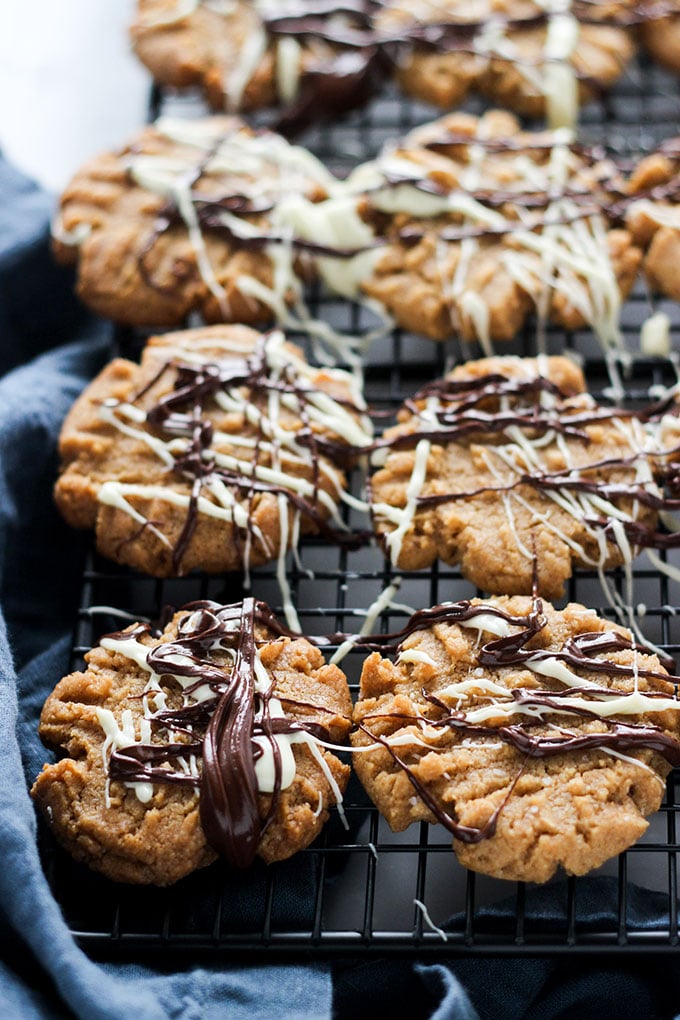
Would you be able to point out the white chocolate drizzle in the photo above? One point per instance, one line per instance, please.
(121, 735)
(517, 452)
(309, 215)
(274, 455)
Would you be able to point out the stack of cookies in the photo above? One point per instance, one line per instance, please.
(539, 735)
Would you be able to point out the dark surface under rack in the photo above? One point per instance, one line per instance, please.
(354, 890)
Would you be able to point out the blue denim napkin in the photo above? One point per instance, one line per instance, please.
(43, 974)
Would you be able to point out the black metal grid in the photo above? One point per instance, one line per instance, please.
(354, 891)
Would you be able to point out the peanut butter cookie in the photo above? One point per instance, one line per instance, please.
(197, 742)
(540, 739)
(509, 468)
(181, 220)
(484, 223)
(205, 455)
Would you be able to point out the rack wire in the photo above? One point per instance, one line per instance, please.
(356, 890)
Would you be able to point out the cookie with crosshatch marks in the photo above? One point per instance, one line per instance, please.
(184, 219)
(205, 455)
(539, 738)
(482, 223)
(203, 740)
(507, 467)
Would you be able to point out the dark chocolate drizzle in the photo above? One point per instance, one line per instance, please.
(229, 811)
(221, 730)
(471, 408)
(229, 807)
(508, 652)
(181, 413)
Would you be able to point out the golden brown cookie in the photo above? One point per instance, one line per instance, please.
(510, 469)
(197, 742)
(485, 222)
(540, 738)
(314, 60)
(204, 456)
(182, 219)
(535, 59)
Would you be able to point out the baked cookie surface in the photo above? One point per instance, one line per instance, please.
(195, 742)
(485, 222)
(539, 738)
(534, 59)
(181, 220)
(313, 60)
(509, 468)
(204, 456)
(653, 216)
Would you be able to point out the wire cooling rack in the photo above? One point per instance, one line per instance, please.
(357, 890)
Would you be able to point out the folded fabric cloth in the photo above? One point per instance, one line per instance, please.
(43, 973)
(38, 309)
